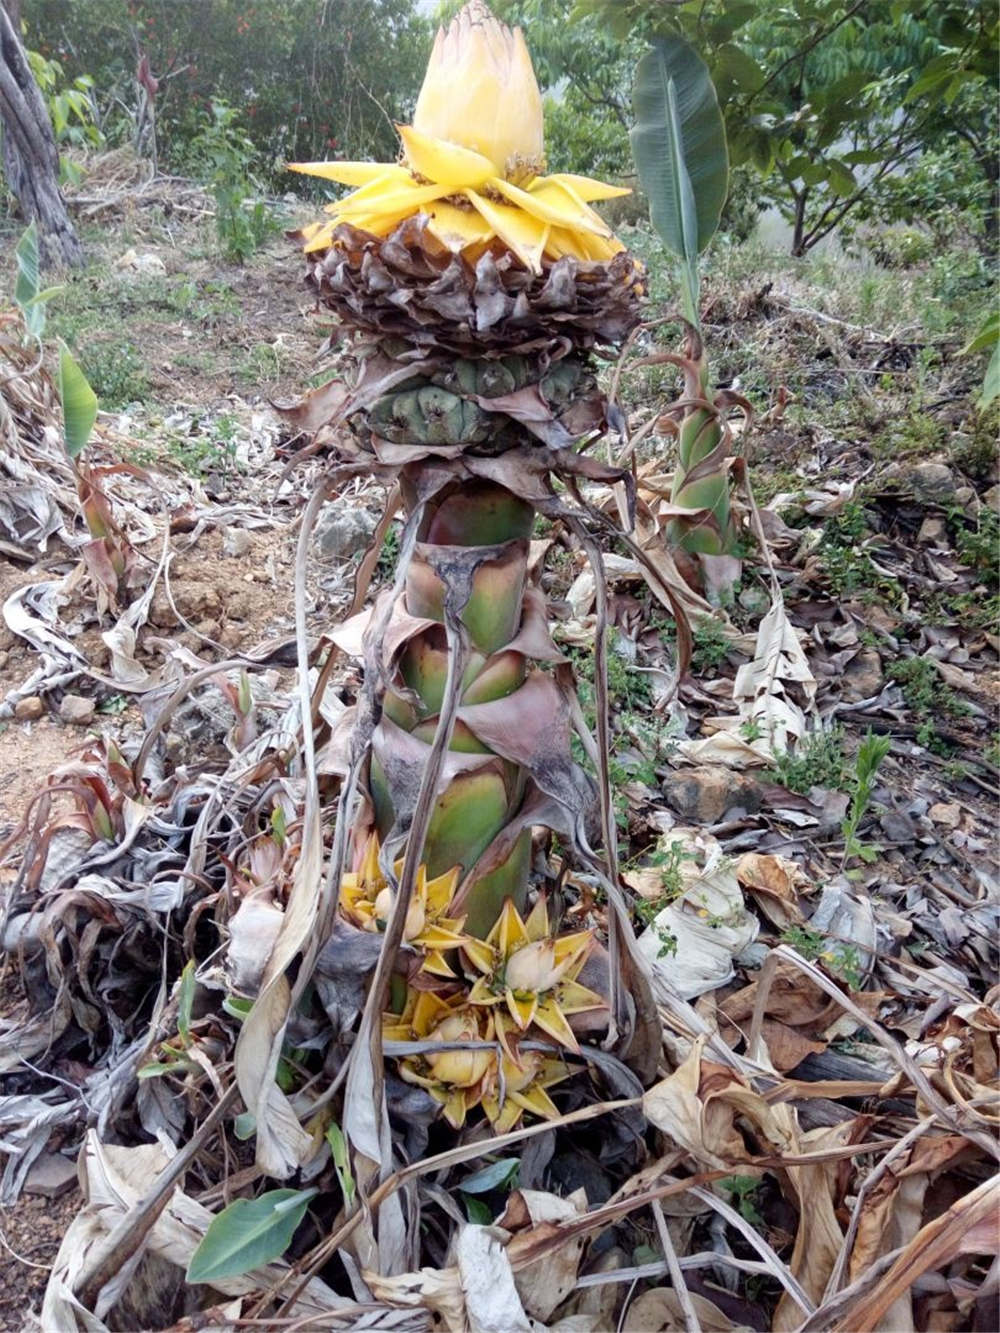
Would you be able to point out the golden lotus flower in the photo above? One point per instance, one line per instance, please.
(505, 1085)
(471, 160)
(366, 900)
(456, 1078)
(533, 973)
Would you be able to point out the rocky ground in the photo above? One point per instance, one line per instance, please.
(877, 478)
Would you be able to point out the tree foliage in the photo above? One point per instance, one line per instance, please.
(309, 78)
(836, 103)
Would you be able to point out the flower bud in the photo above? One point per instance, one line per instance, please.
(416, 914)
(533, 967)
(461, 1069)
(480, 92)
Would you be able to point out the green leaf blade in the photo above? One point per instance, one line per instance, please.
(28, 280)
(248, 1234)
(79, 403)
(680, 150)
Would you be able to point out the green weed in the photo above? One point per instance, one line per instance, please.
(711, 647)
(385, 566)
(116, 373)
(843, 960)
(743, 1192)
(668, 860)
(228, 156)
(872, 750)
(979, 545)
(817, 761)
(927, 697)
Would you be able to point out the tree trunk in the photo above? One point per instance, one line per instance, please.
(31, 161)
(799, 232)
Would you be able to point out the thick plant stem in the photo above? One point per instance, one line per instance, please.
(476, 533)
(701, 481)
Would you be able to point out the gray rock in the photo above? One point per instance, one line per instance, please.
(932, 532)
(862, 678)
(235, 542)
(991, 498)
(78, 709)
(344, 530)
(932, 483)
(704, 795)
(50, 1175)
(29, 709)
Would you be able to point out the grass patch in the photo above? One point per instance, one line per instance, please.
(817, 761)
(116, 373)
(928, 698)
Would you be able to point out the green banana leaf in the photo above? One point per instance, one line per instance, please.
(29, 295)
(679, 145)
(79, 403)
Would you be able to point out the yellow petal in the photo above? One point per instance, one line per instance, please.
(582, 186)
(572, 998)
(536, 1100)
(444, 162)
(537, 925)
(370, 872)
(519, 231)
(550, 1018)
(455, 1106)
(482, 994)
(480, 954)
(439, 891)
(552, 206)
(348, 173)
(562, 241)
(480, 90)
(599, 249)
(395, 1031)
(410, 1074)
(570, 946)
(437, 966)
(456, 227)
(509, 933)
(437, 937)
(401, 197)
(320, 239)
(522, 1008)
(502, 1118)
(428, 1011)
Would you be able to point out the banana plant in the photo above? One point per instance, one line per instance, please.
(476, 288)
(679, 145)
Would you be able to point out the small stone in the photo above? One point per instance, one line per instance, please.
(235, 542)
(898, 827)
(78, 709)
(862, 677)
(50, 1175)
(344, 530)
(704, 795)
(932, 483)
(932, 532)
(965, 495)
(991, 498)
(135, 265)
(947, 814)
(29, 709)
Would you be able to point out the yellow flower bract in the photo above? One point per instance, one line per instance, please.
(472, 159)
